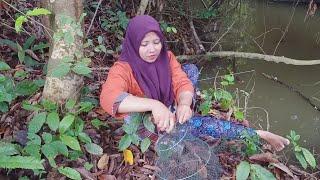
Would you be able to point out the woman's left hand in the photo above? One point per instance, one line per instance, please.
(183, 113)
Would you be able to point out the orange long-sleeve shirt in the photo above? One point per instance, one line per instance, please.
(121, 80)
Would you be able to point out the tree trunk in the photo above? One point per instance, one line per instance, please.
(60, 89)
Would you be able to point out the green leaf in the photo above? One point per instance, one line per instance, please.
(49, 151)
(74, 155)
(145, 144)
(94, 149)
(69, 172)
(61, 70)
(243, 170)
(301, 159)
(20, 74)
(309, 157)
(296, 138)
(21, 53)
(8, 149)
(60, 147)
(37, 122)
(18, 23)
(261, 172)
(79, 125)
(84, 137)
(174, 30)
(70, 104)
(49, 105)
(9, 43)
(100, 39)
(40, 46)
(135, 139)
(53, 121)
(39, 82)
(81, 68)
(33, 150)
(229, 78)
(23, 162)
(38, 11)
(71, 142)
(29, 42)
(88, 166)
(65, 123)
(4, 107)
(85, 107)
(239, 115)
(4, 66)
(34, 138)
(97, 123)
(148, 124)
(125, 142)
(26, 87)
(30, 107)
(47, 137)
(23, 178)
(128, 129)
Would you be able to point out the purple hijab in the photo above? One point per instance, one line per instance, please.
(154, 78)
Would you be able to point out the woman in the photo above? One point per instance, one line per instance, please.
(147, 77)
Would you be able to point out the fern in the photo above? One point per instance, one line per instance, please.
(25, 162)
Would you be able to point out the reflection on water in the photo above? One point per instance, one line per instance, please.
(286, 109)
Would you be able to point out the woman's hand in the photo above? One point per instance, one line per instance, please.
(184, 113)
(163, 117)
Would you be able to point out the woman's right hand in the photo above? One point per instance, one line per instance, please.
(163, 117)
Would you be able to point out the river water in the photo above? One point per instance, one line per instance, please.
(286, 110)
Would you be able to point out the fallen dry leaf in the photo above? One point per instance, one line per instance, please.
(264, 157)
(284, 168)
(103, 161)
(107, 177)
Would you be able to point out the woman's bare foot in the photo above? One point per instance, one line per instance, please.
(276, 141)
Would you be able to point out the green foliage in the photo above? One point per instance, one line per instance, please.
(97, 123)
(8, 149)
(251, 142)
(94, 149)
(131, 136)
(244, 169)
(88, 166)
(24, 18)
(304, 156)
(168, 28)
(4, 66)
(207, 13)
(221, 96)
(37, 122)
(10, 89)
(145, 144)
(25, 162)
(69, 172)
(49, 137)
(21, 49)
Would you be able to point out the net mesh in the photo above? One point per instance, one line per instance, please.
(183, 156)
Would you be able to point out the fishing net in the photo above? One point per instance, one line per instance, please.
(183, 156)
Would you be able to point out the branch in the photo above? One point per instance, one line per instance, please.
(292, 89)
(254, 56)
(94, 16)
(142, 7)
(196, 37)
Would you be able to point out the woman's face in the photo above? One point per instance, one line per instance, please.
(150, 47)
